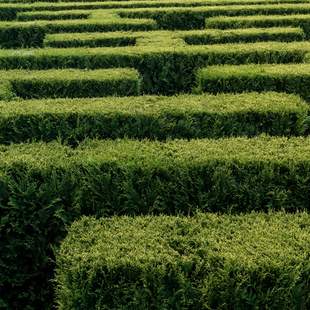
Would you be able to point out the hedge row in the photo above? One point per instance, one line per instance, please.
(45, 187)
(47, 15)
(195, 37)
(162, 2)
(245, 35)
(153, 117)
(9, 10)
(255, 261)
(194, 18)
(94, 39)
(165, 70)
(69, 83)
(290, 78)
(31, 34)
(226, 22)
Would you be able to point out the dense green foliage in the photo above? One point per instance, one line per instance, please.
(153, 117)
(165, 70)
(70, 83)
(45, 187)
(209, 261)
(227, 22)
(55, 56)
(290, 78)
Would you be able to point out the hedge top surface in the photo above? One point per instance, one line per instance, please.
(158, 154)
(254, 70)
(252, 240)
(70, 74)
(229, 48)
(218, 104)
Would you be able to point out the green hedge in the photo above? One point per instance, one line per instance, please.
(227, 22)
(45, 187)
(168, 38)
(31, 34)
(21, 36)
(165, 70)
(94, 39)
(71, 83)
(245, 35)
(290, 78)
(256, 261)
(47, 15)
(194, 18)
(153, 117)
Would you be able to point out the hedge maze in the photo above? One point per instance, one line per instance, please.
(154, 154)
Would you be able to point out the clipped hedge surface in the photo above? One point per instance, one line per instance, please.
(245, 35)
(290, 78)
(185, 116)
(71, 83)
(228, 22)
(255, 261)
(194, 18)
(165, 70)
(169, 38)
(45, 187)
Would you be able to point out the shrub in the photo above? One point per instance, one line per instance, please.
(291, 78)
(205, 262)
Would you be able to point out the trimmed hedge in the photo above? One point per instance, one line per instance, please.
(169, 38)
(194, 18)
(71, 83)
(31, 34)
(153, 117)
(47, 15)
(45, 187)
(21, 36)
(245, 35)
(226, 22)
(290, 78)
(165, 70)
(255, 261)
(95, 39)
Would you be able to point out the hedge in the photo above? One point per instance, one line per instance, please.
(45, 187)
(47, 15)
(10, 9)
(255, 261)
(194, 18)
(93, 39)
(71, 83)
(168, 38)
(245, 35)
(31, 34)
(290, 78)
(146, 2)
(185, 116)
(227, 22)
(165, 70)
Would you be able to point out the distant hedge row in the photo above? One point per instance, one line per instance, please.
(255, 261)
(227, 22)
(69, 83)
(195, 37)
(194, 18)
(165, 70)
(45, 187)
(290, 78)
(153, 117)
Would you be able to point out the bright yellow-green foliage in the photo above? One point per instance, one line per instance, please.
(206, 261)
